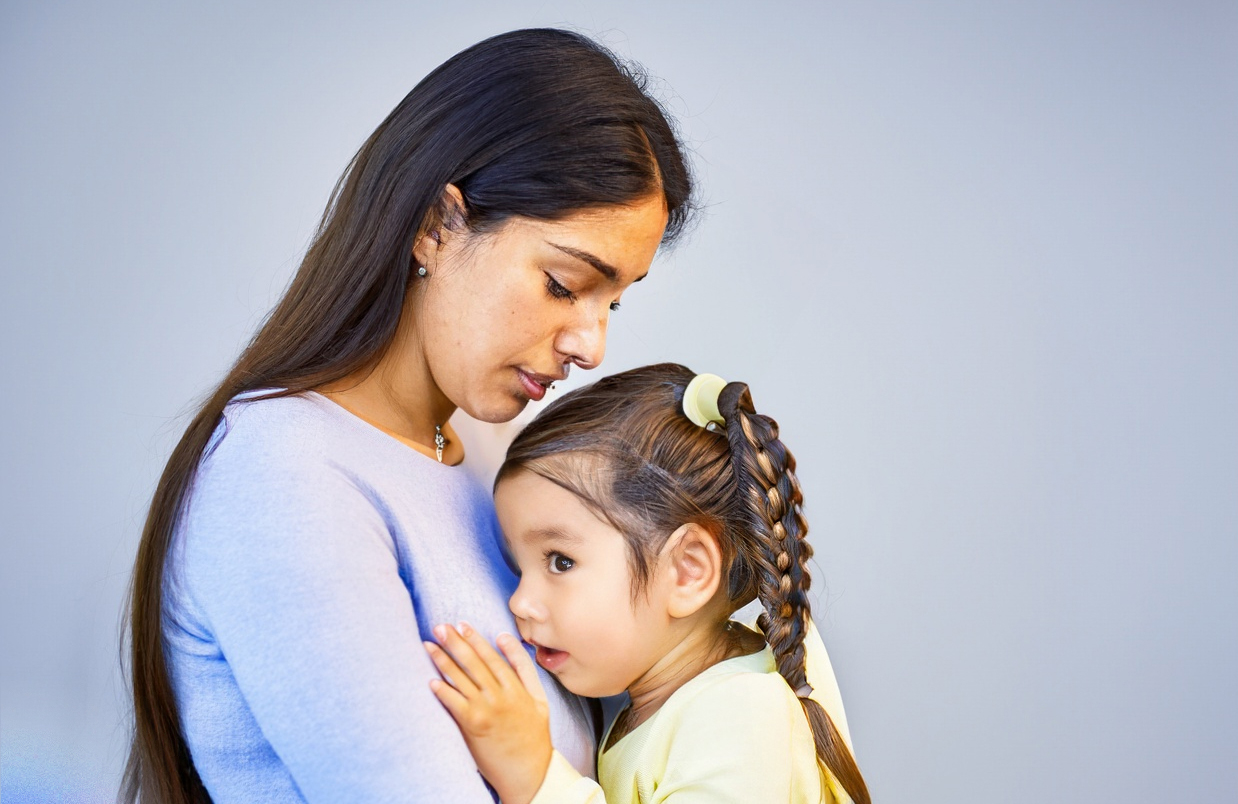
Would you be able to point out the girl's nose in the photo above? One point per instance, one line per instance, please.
(525, 606)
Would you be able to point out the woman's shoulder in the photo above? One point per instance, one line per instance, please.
(303, 448)
(260, 418)
(278, 449)
(303, 429)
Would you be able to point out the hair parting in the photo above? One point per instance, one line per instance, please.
(626, 449)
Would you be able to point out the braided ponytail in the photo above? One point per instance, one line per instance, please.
(769, 493)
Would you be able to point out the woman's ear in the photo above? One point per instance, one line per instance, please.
(446, 220)
(693, 569)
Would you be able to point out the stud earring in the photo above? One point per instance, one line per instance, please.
(421, 270)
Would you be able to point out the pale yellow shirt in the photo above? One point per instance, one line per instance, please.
(735, 733)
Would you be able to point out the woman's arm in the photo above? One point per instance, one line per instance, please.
(501, 709)
(293, 572)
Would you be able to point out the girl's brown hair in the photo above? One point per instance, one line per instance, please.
(537, 123)
(624, 446)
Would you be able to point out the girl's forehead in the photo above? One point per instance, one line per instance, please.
(535, 511)
(583, 478)
(543, 505)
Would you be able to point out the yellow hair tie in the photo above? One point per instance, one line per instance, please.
(700, 399)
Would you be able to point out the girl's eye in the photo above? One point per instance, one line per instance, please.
(556, 289)
(559, 563)
(614, 306)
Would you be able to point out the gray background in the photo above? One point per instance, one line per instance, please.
(979, 259)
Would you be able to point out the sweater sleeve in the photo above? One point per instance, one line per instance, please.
(732, 744)
(292, 569)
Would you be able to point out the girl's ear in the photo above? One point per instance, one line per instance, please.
(445, 220)
(693, 569)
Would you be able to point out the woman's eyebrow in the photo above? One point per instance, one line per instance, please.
(605, 269)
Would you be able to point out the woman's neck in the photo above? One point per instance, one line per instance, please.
(400, 400)
(691, 656)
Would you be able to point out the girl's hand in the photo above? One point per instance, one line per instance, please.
(501, 708)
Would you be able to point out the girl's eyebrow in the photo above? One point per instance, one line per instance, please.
(551, 533)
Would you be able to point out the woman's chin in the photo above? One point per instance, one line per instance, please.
(496, 411)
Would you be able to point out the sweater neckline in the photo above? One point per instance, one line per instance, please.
(374, 432)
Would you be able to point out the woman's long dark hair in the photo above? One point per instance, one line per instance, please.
(624, 446)
(535, 123)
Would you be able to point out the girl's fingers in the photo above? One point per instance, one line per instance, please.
(498, 667)
(523, 666)
(465, 655)
(447, 667)
(455, 703)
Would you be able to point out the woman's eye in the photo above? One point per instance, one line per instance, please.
(556, 289)
(560, 563)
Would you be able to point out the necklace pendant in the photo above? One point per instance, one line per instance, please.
(440, 441)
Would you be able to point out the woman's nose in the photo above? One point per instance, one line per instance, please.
(584, 342)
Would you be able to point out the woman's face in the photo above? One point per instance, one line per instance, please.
(500, 315)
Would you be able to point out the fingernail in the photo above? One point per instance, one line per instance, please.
(430, 646)
(440, 631)
(465, 629)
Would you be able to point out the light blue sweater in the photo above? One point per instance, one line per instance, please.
(315, 555)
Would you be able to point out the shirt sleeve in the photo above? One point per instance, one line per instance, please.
(564, 785)
(732, 745)
(292, 568)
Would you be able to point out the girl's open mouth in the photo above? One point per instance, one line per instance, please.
(550, 658)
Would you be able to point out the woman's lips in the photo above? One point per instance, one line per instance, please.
(551, 659)
(532, 387)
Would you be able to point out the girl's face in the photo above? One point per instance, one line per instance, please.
(574, 602)
(503, 314)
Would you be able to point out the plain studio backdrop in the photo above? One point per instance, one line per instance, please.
(980, 260)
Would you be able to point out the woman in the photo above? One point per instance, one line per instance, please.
(312, 524)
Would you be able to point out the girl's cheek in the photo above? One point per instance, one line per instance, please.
(594, 610)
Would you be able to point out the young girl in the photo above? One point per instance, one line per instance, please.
(642, 512)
